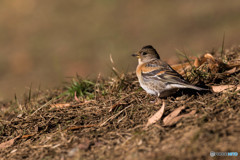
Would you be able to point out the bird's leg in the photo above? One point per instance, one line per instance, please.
(153, 101)
(158, 101)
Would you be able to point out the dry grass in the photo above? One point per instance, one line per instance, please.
(111, 124)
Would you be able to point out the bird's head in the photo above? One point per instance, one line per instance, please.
(146, 54)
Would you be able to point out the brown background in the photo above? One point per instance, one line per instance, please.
(43, 42)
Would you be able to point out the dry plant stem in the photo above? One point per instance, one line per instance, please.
(84, 126)
(45, 105)
(119, 101)
(80, 104)
(75, 97)
(113, 116)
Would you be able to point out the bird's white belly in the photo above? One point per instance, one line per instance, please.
(149, 91)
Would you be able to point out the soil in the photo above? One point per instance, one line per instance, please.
(112, 125)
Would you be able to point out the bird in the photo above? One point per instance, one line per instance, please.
(157, 77)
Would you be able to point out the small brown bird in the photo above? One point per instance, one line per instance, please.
(157, 77)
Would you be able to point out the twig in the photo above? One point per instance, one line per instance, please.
(120, 103)
(84, 126)
(80, 104)
(46, 104)
(113, 116)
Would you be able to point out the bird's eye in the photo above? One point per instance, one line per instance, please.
(144, 53)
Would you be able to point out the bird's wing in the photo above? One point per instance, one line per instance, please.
(159, 70)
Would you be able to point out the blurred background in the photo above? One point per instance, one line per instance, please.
(43, 42)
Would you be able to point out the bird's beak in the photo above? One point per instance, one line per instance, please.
(135, 55)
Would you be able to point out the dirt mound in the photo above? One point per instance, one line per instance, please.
(111, 123)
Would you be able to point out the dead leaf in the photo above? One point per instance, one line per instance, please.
(224, 88)
(178, 118)
(234, 63)
(231, 71)
(206, 57)
(173, 114)
(197, 63)
(157, 116)
(211, 62)
(181, 68)
(9, 143)
(60, 105)
(209, 56)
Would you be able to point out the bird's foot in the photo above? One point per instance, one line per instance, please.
(157, 101)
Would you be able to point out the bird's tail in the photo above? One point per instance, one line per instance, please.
(196, 88)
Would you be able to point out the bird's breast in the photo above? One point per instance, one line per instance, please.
(139, 71)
